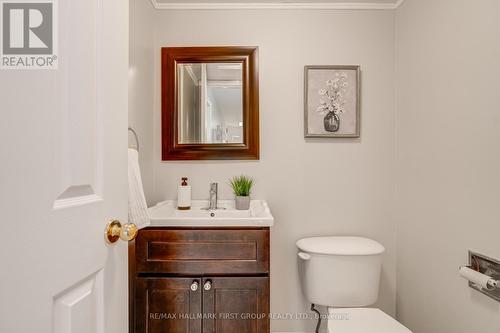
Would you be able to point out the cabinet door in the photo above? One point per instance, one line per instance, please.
(236, 305)
(167, 305)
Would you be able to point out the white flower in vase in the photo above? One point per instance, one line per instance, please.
(332, 101)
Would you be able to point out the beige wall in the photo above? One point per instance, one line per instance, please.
(314, 187)
(448, 124)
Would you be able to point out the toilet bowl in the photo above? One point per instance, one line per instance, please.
(343, 274)
(362, 320)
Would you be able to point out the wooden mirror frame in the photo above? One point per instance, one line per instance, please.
(171, 148)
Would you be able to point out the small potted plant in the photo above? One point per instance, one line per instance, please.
(242, 185)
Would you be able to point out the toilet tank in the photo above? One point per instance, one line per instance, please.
(340, 271)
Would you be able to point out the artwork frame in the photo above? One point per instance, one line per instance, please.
(322, 112)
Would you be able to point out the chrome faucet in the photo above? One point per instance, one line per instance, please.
(213, 196)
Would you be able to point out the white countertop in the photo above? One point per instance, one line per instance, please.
(166, 214)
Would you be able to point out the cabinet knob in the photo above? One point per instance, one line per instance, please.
(208, 285)
(115, 230)
(194, 285)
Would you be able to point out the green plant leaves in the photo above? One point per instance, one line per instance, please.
(241, 185)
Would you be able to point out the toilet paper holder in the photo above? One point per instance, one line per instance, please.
(483, 273)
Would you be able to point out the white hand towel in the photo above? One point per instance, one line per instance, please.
(137, 208)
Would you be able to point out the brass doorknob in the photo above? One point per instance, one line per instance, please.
(115, 231)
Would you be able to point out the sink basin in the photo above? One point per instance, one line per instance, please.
(166, 214)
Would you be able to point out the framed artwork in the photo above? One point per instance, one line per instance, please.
(331, 101)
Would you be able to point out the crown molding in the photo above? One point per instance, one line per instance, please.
(275, 5)
(398, 3)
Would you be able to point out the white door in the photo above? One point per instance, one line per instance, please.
(63, 171)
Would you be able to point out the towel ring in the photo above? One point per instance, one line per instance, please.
(136, 137)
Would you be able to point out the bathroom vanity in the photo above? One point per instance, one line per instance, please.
(198, 273)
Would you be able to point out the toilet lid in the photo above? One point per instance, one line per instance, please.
(362, 320)
(340, 245)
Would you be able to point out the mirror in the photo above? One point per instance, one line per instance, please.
(210, 103)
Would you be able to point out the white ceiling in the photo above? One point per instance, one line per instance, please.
(277, 4)
(224, 72)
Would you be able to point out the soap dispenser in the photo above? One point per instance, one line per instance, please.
(184, 195)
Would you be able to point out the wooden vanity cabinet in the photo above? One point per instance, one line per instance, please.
(199, 280)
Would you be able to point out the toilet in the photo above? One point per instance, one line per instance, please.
(343, 274)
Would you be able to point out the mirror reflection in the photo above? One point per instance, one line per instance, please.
(210, 103)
